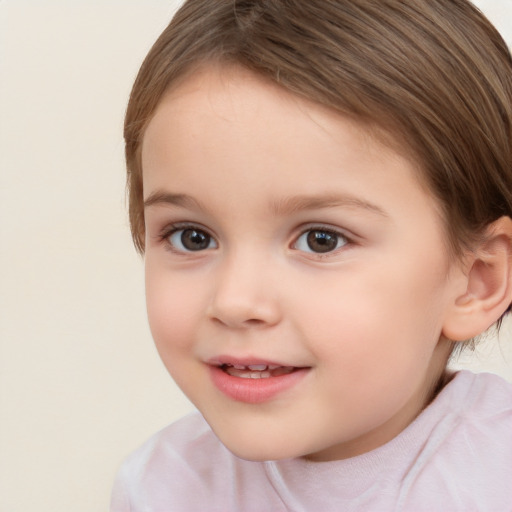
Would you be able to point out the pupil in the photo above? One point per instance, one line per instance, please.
(322, 241)
(195, 240)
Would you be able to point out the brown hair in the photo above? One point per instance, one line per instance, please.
(434, 73)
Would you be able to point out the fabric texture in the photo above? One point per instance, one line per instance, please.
(456, 456)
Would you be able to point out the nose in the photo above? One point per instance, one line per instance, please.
(245, 294)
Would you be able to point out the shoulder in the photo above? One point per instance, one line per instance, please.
(468, 456)
(490, 384)
(477, 413)
(482, 398)
(168, 466)
(180, 441)
(177, 440)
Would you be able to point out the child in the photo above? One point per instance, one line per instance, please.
(322, 190)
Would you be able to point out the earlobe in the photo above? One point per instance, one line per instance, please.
(488, 285)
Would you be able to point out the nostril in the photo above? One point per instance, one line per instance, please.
(254, 322)
(251, 322)
(242, 311)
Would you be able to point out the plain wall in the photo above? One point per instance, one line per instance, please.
(80, 382)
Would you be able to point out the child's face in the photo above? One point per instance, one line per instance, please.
(281, 234)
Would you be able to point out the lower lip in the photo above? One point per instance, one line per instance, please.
(254, 391)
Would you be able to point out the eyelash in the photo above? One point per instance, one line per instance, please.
(171, 230)
(340, 237)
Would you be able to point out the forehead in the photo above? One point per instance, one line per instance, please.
(229, 124)
(244, 100)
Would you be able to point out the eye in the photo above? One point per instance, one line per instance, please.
(191, 239)
(320, 241)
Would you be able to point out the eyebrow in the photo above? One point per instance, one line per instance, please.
(305, 202)
(162, 198)
(280, 207)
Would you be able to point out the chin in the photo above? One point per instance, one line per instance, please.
(248, 449)
(255, 454)
(259, 437)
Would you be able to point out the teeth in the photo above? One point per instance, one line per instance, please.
(257, 367)
(231, 370)
(257, 371)
(256, 375)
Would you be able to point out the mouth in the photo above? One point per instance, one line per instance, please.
(256, 371)
(254, 381)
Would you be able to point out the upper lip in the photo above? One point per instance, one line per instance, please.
(246, 361)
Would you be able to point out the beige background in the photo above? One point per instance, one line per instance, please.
(80, 382)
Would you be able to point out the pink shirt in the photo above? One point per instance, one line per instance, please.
(456, 456)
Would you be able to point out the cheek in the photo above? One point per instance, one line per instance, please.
(173, 320)
(393, 311)
(171, 309)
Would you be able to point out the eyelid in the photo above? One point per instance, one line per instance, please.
(313, 226)
(349, 238)
(170, 229)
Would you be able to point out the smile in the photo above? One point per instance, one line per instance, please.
(256, 371)
(255, 383)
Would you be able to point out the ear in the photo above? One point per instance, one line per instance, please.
(486, 285)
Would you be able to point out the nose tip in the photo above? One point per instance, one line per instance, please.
(241, 313)
(243, 298)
